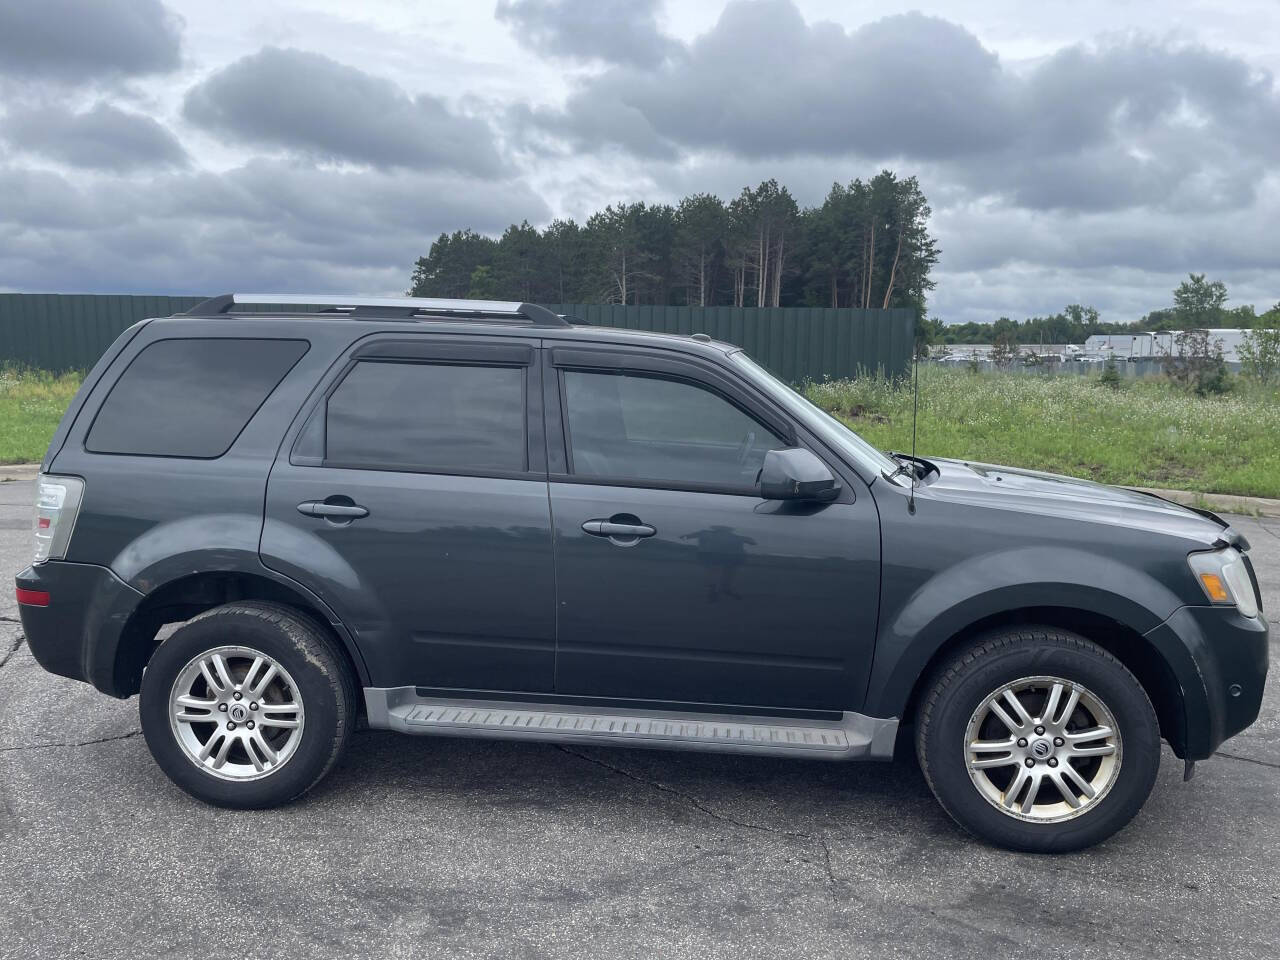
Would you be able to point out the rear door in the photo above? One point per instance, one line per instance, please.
(412, 497)
(677, 583)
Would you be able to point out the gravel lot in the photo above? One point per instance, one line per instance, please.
(461, 848)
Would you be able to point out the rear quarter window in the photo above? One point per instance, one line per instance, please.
(190, 397)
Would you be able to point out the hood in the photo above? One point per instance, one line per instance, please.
(1048, 494)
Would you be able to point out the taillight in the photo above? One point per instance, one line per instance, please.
(57, 503)
(33, 598)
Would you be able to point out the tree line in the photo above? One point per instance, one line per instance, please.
(1198, 304)
(866, 245)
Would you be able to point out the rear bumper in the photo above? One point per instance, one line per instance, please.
(1220, 661)
(78, 633)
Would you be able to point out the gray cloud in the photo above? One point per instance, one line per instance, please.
(1019, 262)
(1121, 293)
(763, 83)
(309, 104)
(978, 238)
(1100, 173)
(103, 138)
(1126, 124)
(77, 40)
(616, 31)
(267, 224)
(1137, 124)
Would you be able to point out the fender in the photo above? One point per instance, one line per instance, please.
(915, 624)
(215, 543)
(295, 555)
(205, 543)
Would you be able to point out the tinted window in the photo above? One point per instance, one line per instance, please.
(190, 398)
(629, 427)
(419, 416)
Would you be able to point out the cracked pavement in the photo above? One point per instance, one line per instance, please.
(465, 848)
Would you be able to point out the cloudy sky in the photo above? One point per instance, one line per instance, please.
(1091, 150)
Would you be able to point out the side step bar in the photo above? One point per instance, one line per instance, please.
(852, 737)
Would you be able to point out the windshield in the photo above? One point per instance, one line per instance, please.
(822, 423)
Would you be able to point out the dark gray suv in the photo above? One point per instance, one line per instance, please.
(478, 519)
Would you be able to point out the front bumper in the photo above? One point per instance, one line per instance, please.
(1219, 660)
(78, 634)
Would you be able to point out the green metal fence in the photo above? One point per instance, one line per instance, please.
(70, 331)
(796, 343)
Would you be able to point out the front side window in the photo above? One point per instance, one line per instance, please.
(822, 423)
(190, 397)
(632, 427)
(427, 417)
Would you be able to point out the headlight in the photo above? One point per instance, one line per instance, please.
(1225, 580)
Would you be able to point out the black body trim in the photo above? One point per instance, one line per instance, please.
(1210, 649)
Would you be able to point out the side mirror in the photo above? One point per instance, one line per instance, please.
(796, 474)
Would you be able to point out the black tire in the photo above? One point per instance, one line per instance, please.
(320, 675)
(961, 686)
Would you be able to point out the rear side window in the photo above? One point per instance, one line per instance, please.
(426, 417)
(190, 398)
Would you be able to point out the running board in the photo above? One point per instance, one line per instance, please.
(852, 737)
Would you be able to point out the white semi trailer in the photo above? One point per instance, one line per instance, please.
(1159, 344)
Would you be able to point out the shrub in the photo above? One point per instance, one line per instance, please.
(1196, 363)
(1111, 375)
(1004, 351)
(1260, 356)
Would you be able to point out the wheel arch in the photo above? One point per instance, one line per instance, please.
(1127, 644)
(182, 598)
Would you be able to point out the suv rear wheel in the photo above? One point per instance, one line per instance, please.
(247, 705)
(1037, 739)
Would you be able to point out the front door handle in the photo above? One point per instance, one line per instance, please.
(334, 511)
(623, 531)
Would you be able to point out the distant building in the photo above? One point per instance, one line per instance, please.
(1159, 344)
(1121, 345)
(964, 351)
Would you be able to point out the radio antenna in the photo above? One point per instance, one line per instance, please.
(915, 410)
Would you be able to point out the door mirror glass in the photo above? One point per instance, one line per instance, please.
(796, 474)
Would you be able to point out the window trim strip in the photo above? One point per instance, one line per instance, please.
(434, 351)
(786, 436)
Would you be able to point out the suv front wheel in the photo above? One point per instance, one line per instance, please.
(247, 705)
(1037, 739)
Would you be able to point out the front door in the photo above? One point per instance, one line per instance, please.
(413, 500)
(676, 582)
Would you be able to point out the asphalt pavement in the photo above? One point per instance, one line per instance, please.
(424, 847)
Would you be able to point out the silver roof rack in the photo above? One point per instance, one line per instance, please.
(405, 308)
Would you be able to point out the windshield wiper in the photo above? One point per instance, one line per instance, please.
(905, 465)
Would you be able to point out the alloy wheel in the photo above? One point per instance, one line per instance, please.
(236, 713)
(1043, 749)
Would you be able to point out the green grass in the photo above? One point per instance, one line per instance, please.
(31, 404)
(1148, 433)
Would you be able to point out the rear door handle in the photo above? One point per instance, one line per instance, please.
(607, 528)
(340, 511)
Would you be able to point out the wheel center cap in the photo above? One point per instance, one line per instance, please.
(238, 712)
(1040, 749)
